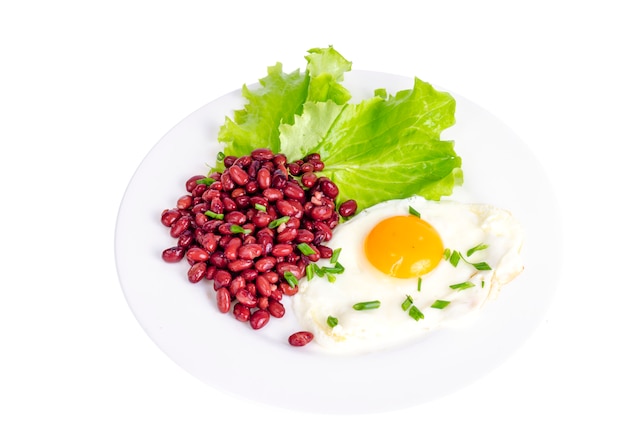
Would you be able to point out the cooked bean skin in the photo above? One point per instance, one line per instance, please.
(239, 230)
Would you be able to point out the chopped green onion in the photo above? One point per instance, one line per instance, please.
(370, 305)
(446, 254)
(462, 286)
(214, 215)
(220, 156)
(415, 313)
(407, 303)
(279, 221)
(481, 266)
(338, 268)
(332, 321)
(260, 207)
(419, 284)
(476, 248)
(331, 278)
(208, 181)
(236, 229)
(440, 304)
(414, 212)
(306, 249)
(482, 284)
(335, 256)
(318, 271)
(454, 258)
(310, 272)
(291, 279)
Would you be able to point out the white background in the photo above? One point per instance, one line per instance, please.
(87, 88)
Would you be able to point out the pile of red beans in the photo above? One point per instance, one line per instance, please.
(245, 228)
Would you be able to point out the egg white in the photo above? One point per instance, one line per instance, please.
(461, 226)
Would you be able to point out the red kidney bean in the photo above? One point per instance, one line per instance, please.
(238, 175)
(259, 319)
(261, 219)
(180, 226)
(287, 235)
(306, 167)
(272, 277)
(222, 279)
(236, 217)
(238, 192)
(329, 188)
(294, 169)
(231, 249)
(210, 194)
(282, 249)
(184, 202)
(264, 178)
(277, 294)
(283, 267)
(325, 252)
(245, 297)
(263, 286)
(217, 258)
(324, 230)
(209, 242)
(279, 160)
(199, 190)
(263, 303)
(286, 208)
(288, 289)
(304, 236)
(243, 161)
(223, 300)
(210, 272)
(250, 251)
(169, 216)
(309, 179)
(196, 254)
(252, 187)
(300, 338)
(242, 201)
(265, 264)
(347, 208)
(321, 212)
(173, 254)
(227, 182)
(240, 264)
(196, 272)
(186, 239)
(249, 274)
(272, 194)
(229, 204)
(241, 312)
(275, 308)
(192, 182)
(229, 160)
(262, 154)
(200, 219)
(318, 165)
(251, 286)
(236, 284)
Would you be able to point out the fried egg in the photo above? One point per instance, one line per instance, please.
(406, 267)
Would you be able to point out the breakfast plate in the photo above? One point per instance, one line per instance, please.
(260, 365)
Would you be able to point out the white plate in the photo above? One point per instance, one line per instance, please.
(184, 322)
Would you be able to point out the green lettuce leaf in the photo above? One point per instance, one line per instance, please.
(280, 97)
(386, 147)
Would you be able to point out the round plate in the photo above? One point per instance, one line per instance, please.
(182, 318)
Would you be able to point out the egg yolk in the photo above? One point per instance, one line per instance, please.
(404, 246)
